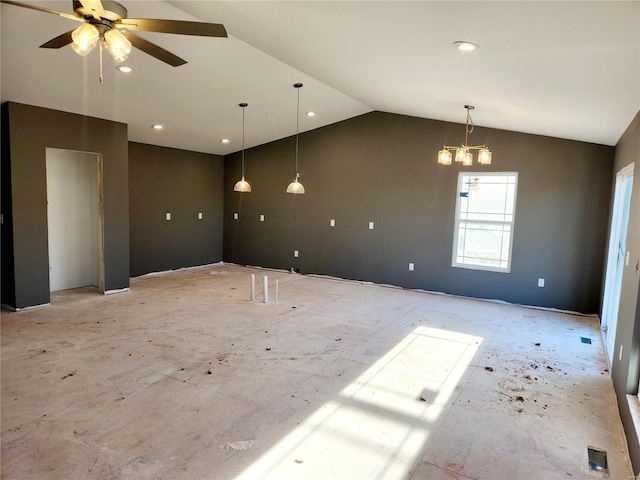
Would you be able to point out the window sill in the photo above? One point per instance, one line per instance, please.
(634, 408)
(485, 268)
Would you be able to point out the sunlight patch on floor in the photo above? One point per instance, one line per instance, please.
(378, 425)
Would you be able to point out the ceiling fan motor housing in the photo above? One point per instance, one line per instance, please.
(113, 11)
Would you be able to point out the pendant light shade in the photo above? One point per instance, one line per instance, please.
(242, 185)
(296, 187)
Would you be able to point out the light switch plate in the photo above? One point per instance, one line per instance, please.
(295, 253)
(411, 267)
(235, 215)
(168, 216)
(541, 282)
(262, 218)
(332, 222)
(370, 225)
(200, 216)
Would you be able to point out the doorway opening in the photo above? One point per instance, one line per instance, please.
(617, 257)
(75, 219)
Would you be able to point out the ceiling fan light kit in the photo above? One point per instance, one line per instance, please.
(463, 152)
(106, 22)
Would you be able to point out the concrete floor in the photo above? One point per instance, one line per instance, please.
(184, 378)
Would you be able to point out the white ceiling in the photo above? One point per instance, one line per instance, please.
(564, 69)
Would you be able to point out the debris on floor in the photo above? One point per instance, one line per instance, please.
(241, 445)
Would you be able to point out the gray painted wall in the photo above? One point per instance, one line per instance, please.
(30, 131)
(625, 372)
(183, 183)
(382, 167)
(8, 292)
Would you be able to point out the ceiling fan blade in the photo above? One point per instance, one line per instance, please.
(153, 50)
(59, 42)
(95, 7)
(179, 27)
(46, 10)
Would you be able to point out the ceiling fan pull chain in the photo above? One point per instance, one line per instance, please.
(101, 76)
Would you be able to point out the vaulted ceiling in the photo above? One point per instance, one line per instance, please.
(564, 69)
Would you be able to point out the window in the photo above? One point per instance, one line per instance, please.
(485, 211)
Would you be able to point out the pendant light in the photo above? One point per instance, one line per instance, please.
(242, 185)
(463, 152)
(296, 187)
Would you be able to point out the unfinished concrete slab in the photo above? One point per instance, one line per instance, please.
(184, 377)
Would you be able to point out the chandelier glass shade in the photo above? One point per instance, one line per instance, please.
(463, 153)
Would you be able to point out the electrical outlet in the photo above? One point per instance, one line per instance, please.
(541, 282)
(295, 253)
(168, 216)
(411, 267)
(262, 218)
(370, 225)
(620, 354)
(332, 222)
(200, 216)
(235, 215)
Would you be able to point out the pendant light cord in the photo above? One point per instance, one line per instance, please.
(243, 143)
(297, 130)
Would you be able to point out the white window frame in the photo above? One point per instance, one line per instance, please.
(454, 253)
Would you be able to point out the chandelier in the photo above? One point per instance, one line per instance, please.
(463, 152)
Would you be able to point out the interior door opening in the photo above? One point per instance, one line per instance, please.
(616, 257)
(75, 219)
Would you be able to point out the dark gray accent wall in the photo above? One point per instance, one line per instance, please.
(30, 131)
(625, 372)
(183, 183)
(382, 168)
(8, 291)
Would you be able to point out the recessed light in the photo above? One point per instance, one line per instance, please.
(124, 68)
(311, 114)
(466, 46)
(225, 140)
(157, 127)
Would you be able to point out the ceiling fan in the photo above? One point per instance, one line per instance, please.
(105, 22)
